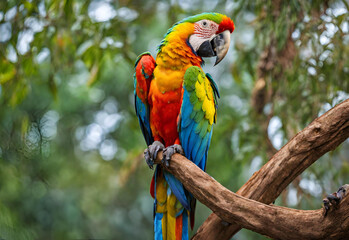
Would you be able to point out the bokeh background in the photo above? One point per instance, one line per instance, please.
(71, 164)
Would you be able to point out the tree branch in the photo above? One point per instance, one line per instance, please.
(322, 135)
(283, 223)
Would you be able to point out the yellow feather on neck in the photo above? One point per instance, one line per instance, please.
(174, 58)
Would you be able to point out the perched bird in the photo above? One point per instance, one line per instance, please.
(176, 105)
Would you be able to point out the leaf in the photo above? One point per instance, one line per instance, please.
(52, 86)
(20, 92)
(93, 74)
(7, 72)
(24, 126)
(236, 74)
(68, 9)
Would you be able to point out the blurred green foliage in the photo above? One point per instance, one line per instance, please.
(71, 163)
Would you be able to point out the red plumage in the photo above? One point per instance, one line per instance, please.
(226, 24)
(144, 67)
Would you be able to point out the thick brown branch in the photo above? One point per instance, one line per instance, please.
(283, 223)
(322, 135)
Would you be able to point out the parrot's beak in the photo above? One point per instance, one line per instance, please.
(221, 45)
(217, 46)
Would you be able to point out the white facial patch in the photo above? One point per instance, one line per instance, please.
(196, 41)
(203, 30)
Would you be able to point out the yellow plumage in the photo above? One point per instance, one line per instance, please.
(168, 80)
(204, 92)
(172, 211)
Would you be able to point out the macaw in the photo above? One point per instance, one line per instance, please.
(176, 104)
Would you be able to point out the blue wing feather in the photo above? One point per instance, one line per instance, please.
(142, 112)
(194, 137)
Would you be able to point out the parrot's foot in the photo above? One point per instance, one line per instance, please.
(151, 153)
(169, 151)
(334, 198)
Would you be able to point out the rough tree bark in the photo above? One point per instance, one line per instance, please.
(322, 135)
(283, 223)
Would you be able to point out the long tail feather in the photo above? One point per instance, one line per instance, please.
(185, 232)
(178, 189)
(179, 226)
(170, 217)
(158, 226)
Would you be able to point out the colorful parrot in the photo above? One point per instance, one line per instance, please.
(176, 105)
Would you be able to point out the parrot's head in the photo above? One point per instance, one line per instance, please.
(208, 34)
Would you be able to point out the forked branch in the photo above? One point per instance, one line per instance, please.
(273, 221)
(322, 135)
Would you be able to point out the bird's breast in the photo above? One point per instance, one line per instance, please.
(164, 111)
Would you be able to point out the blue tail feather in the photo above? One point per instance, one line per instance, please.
(158, 226)
(177, 189)
(185, 226)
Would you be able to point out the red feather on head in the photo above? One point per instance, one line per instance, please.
(226, 24)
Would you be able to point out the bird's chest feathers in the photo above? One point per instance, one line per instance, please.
(167, 102)
(167, 80)
(165, 108)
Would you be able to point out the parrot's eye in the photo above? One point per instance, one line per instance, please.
(204, 24)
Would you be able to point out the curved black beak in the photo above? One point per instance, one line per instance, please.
(217, 46)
